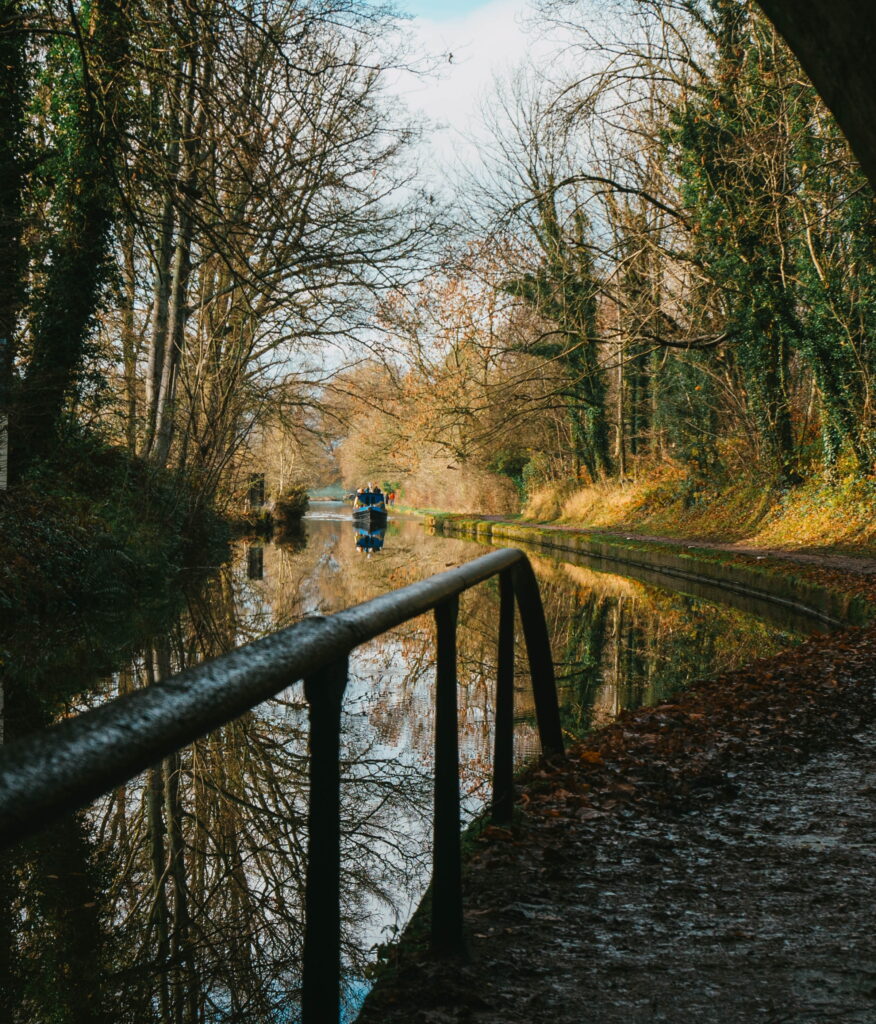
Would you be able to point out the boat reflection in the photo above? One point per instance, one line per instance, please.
(368, 541)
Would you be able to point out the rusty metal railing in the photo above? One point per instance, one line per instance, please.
(46, 776)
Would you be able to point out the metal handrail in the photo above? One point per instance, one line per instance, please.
(48, 775)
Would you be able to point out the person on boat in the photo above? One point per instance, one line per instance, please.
(357, 501)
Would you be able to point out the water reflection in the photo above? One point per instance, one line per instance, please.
(368, 541)
(255, 561)
(178, 898)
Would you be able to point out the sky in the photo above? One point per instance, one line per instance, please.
(438, 11)
(478, 41)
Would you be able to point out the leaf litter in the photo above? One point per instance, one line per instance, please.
(711, 858)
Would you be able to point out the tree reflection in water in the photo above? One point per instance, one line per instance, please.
(178, 898)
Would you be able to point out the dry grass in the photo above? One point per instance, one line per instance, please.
(839, 515)
(459, 488)
(843, 516)
(603, 504)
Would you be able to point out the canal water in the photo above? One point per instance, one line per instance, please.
(178, 898)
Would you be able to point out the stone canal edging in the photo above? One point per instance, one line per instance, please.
(824, 594)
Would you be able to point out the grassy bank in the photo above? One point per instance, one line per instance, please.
(92, 530)
(838, 515)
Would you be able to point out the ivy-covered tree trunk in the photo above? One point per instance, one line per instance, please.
(585, 401)
(563, 291)
(87, 95)
(732, 155)
(837, 287)
(763, 355)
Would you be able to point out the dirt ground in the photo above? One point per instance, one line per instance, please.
(759, 908)
(712, 859)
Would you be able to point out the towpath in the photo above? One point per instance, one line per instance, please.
(711, 859)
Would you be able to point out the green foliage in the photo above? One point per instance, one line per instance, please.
(538, 471)
(759, 163)
(724, 144)
(687, 416)
(77, 115)
(512, 463)
(563, 290)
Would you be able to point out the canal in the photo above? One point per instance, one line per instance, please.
(178, 897)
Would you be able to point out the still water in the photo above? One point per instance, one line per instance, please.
(178, 898)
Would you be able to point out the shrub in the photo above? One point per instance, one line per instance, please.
(291, 504)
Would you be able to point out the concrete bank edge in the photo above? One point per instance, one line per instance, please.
(782, 583)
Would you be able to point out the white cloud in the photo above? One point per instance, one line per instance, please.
(477, 44)
(477, 47)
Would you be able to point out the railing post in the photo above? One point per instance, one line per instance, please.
(541, 662)
(503, 751)
(321, 980)
(447, 859)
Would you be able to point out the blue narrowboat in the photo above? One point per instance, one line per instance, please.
(369, 509)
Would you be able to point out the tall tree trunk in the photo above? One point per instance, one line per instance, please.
(192, 135)
(13, 89)
(621, 440)
(166, 398)
(159, 320)
(128, 337)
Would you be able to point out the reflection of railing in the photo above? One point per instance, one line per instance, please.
(48, 775)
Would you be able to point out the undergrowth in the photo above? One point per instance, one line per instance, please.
(94, 528)
(753, 508)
